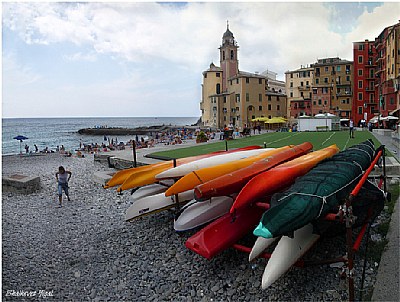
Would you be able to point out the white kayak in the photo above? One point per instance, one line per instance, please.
(197, 213)
(208, 162)
(154, 204)
(148, 190)
(260, 246)
(287, 252)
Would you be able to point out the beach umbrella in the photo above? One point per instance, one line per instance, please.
(276, 120)
(20, 138)
(260, 119)
(389, 118)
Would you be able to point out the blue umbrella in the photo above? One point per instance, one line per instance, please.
(20, 138)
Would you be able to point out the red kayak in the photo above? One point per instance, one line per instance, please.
(278, 178)
(233, 182)
(224, 232)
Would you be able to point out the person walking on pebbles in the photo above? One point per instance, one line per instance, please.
(63, 177)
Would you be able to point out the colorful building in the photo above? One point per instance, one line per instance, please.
(231, 97)
(377, 76)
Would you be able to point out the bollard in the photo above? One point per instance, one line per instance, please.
(134, 154)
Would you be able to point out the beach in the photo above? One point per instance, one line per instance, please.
(85, 251)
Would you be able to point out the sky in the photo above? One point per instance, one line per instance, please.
(128, 59)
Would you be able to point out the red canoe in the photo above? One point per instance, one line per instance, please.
(280, 177)
(234, 182)
(224, 232)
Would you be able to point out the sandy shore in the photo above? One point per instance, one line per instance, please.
(85, 251)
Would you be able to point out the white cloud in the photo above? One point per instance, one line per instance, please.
(179, 41)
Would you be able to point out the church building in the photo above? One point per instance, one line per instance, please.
(231, 97)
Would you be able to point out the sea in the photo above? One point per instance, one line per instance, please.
(53, 132)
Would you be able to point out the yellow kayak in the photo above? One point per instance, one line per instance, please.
(191, 180)
(119, 177)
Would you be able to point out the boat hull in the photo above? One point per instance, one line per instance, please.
(223, 232)
(197, 213)
(154, 204)
(280, 177)
(233, 182)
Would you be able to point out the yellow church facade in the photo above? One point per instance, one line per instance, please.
(232, 98)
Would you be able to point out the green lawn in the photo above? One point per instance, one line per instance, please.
(274, 140)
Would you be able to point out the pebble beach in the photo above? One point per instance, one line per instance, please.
(85, 251)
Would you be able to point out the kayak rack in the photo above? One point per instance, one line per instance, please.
(344, 215)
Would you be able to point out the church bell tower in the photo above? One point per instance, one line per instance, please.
(229, 62)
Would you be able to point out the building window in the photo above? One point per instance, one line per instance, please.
(225, 99)
(232, 55)
(260, 97)
(325, 80)
(291, 84)
(223, 55)
(278, 107)
(269, 98)
(360, 109)
(348, 78)
(360, 46)
(291, 94)
(326, 68)
(269, 106)
(338, 68)
(247, 97)
(301, 84)
(360, 84)
(360, 72)
(360, 59)
(205, 76)
(317, 81)
(360, 96)
(291, 75)
(217, 74)
(218, 88)
(237, 81)
(237, 97)
(259, 81)
(247, 80)
(319, 102)
(260, 108)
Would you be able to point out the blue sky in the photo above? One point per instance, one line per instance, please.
(146, 59)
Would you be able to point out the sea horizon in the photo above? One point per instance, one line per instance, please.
(55, 131)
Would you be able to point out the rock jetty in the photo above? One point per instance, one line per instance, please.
(132, 131)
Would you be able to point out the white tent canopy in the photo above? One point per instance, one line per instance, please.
(324, 115)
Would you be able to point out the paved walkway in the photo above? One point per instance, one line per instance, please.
(391, 144)
(387, 284)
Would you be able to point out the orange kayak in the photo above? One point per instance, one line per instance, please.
(233, 182)
(278, 178)
(141, 176)
(197, 177)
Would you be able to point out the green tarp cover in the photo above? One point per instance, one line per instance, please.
(317, 193)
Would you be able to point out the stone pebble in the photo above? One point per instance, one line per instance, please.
(86, 251)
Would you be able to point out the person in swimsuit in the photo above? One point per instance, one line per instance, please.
(63, 177)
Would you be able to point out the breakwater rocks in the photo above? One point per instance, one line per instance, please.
(133, 131)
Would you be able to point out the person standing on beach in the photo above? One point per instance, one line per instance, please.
(63, 177)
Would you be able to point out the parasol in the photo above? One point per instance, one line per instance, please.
(20, 138)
